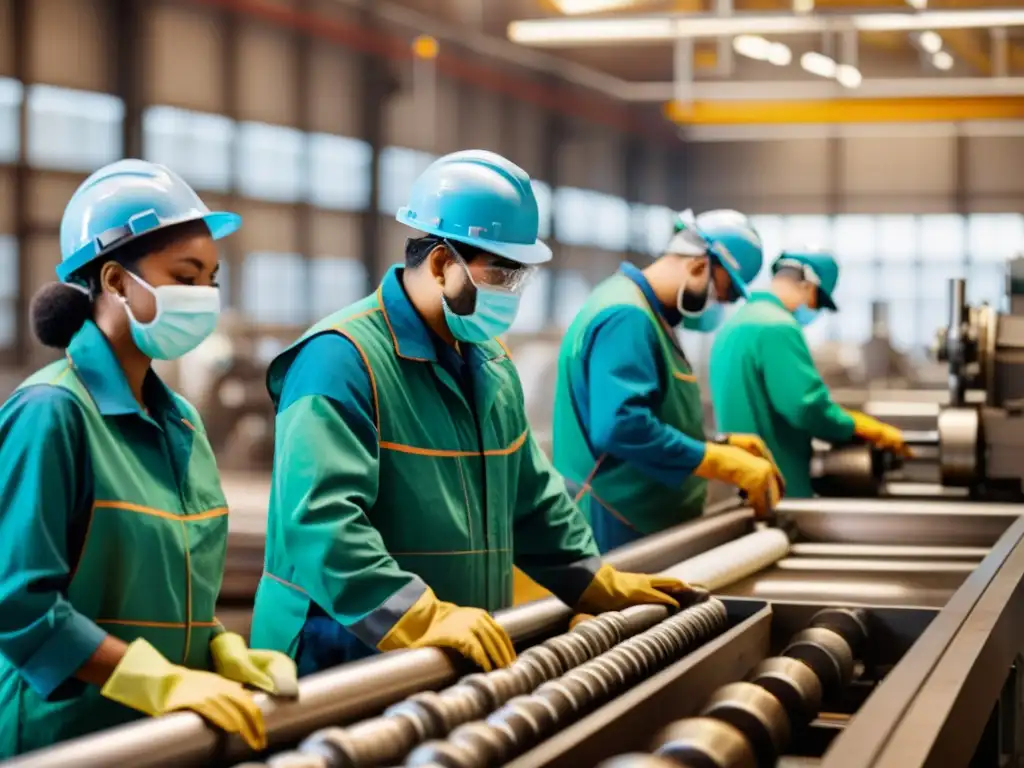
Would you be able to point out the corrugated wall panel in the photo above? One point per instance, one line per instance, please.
(6, 38)
(267, 71)
(184, 58)
(334, 89)
(267, 228)
(70, 44)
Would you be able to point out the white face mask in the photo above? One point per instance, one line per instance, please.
(185, 317)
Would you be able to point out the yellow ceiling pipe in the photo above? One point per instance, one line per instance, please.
(836, 111)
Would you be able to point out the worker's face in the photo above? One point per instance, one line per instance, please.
(696, 284)
(190, 260)
(723, 284)
(809, 292)
(459, 276)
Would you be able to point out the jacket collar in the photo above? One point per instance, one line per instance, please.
(99, 370)
(769, 297)
(412, 338)
(670, 315)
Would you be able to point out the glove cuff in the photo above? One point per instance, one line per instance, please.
(415, 622)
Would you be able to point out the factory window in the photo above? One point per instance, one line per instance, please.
(942, 237)
(897, 238)
(986, 283)
(855, 239)
(533, 309)
(10, 119)
(270, 162)
(399, 168)
(772, 231)
(571, 290)
(855, 326)
(652, 226)
(808, 232)
(906, 331)
(609, 222)
(196, 145)
(335, 282)
(542, 192)
(995, 237)
(72, 130)
(224, 282)
(274, 289)
(574, 219)
(935, 286)
(8, 290)
(339, 172)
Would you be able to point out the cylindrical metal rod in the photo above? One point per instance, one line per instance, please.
(955, 340)
(818, 549)
(896, 507)
(355, 690)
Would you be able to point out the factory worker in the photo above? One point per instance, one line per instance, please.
(113, 525)
(406, 480)
(763, 379)
(628, 425)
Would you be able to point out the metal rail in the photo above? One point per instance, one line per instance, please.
(361, 689)
(899, 714)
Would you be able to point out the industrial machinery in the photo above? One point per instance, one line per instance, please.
(826, 642)
(967, 443)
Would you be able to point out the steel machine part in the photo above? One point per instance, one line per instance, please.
(704, 742)
(754, 712)
(640, 760)
(793, 683)
(733, 561)
(826, 653)
(849, 623)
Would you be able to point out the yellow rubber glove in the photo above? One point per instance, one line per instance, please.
(755, 446)
(525, 589)
(433, 623)
(579, 618)
(878, 433)
(754, 476)
(269, 671)
(612, 590)
(146, 681)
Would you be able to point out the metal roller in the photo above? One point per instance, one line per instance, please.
(734, 561)
(703, 742)
(850, 623)
(443, 754)
(640, 760)
(755, 713)
(793, 683)
(825, 652)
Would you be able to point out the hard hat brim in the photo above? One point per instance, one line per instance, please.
(825, 299)
(528, 254)
(220, 223)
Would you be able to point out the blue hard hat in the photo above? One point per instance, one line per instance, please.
(480, 199)
(819, 267)
(124, 200)
(732, 242)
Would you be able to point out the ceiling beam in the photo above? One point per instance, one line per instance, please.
(843, 111)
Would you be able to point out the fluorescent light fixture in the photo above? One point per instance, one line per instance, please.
(930, 41)
(818, 64)
(848, 76)
(665, 27)
(556, 32)
(574, 7)
(942, 60)
(752, 46)
(780, 55)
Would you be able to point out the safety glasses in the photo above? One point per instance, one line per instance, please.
(500, 277)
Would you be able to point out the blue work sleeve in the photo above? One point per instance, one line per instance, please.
(326, 461)
(553, 544)
(624, 387)
(42, 452)
(795, 387)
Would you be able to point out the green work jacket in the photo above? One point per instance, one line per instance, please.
(764, 382)
(621, 502)
(388, 479)
(113, 522)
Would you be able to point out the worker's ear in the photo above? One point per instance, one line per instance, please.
(438, 260)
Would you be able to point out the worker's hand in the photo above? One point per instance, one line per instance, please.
(612, 590)
(269, 671)
(883, 436)
(755, 446)
(433, 623)
(756, 477)
(146, 681)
